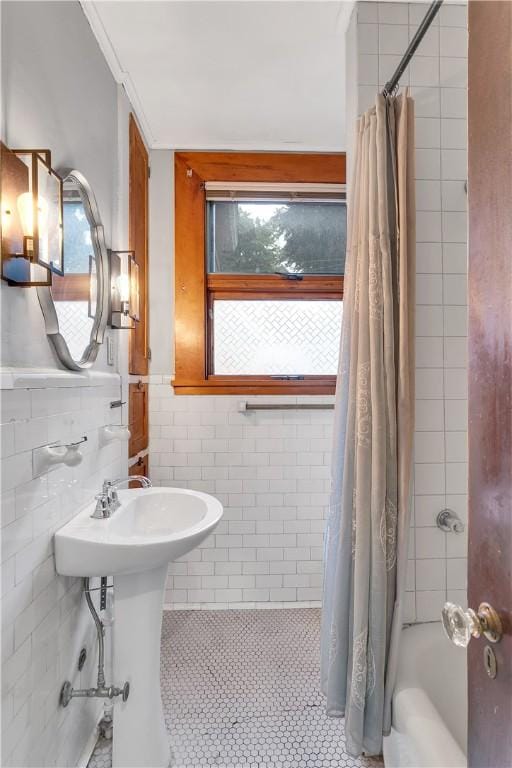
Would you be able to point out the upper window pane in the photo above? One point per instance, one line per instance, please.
(267, 237)
(77, 238)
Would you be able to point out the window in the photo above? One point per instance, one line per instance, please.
(260, 251)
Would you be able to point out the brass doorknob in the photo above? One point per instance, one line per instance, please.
(461, 625)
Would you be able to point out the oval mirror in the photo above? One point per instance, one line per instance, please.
(76, 306)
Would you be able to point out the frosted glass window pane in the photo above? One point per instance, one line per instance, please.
(276, 337)
(75, 325)
(264, 238)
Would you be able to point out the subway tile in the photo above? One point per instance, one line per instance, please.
(431, 574)
(457, 478)
(429, 257)
(368, 69)
(455, 321)
(429, 289)
(429, 320)
(429, 478)
(455, 384)
(454, 72)
(454, 198)
(395, 39)
(409, 614)
(428, 447)
(454, 134)
(387, 66)
(7, 508)
(424, 71)
(456, 573)
(367, 12)
(430, 543)
(429, 605)
(454, 102)
(429, 384)
(428, 132)
(456, 352)
(455, 290)
(429, 352)
(454, 42)
(428, 166)
(365, 97)
(456, 415)
(454, 164)
(429, 415)
(393, 13)
(429, 45)
(417, 12)
(368, 38)
(7, 439)
(427, 101)
(16, 469)
(454, 15)
(457, 446)
(426, 509)
(428, 195)
(14, 405)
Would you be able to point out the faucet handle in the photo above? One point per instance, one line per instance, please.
(102, 509)
(448, 521)
(110, 491)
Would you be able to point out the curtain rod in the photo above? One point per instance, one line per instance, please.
(393, 83)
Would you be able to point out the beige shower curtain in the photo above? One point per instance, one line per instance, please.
(367, 530)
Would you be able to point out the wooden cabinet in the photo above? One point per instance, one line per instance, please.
(138, 239)
(138, 401)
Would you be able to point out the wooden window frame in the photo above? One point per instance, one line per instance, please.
(195, 289)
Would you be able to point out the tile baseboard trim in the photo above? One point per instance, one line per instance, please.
(239, 606)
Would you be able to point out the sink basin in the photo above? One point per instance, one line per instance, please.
(152, 527)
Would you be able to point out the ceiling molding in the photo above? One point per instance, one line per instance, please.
(121, 77)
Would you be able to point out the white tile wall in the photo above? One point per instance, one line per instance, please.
(44, 621)
(438, 79)
(271, 472)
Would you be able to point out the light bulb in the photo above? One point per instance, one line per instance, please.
(123, 288)
(26, 212)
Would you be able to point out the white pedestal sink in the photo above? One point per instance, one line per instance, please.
(152, 527)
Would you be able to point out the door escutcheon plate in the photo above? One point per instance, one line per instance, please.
(490, 663)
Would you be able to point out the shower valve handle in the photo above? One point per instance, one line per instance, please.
(460, 624)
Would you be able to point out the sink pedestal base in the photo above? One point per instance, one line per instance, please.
(140, 736)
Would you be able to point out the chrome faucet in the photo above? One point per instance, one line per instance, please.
(107, 501)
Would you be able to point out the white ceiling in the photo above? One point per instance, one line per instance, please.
(262, 75)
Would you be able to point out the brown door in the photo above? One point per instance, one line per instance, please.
(138, 226)
(138, 408)
(490, 373)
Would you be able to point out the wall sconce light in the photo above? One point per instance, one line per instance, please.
(124, 280)
(31, 192)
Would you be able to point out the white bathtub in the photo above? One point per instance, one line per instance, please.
(429, 722)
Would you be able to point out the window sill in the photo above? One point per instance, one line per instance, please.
(252, 385)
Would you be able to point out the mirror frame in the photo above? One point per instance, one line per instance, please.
(44, 293)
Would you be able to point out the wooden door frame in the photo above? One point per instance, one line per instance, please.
(490, 373)
(139, 344)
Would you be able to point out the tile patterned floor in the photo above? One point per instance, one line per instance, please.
(240, 688)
